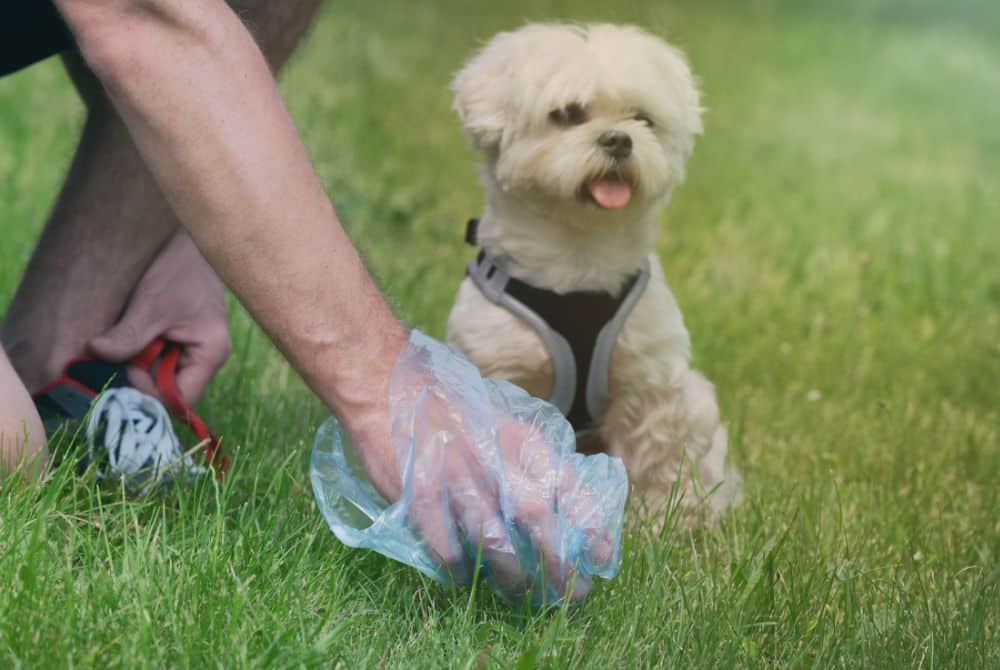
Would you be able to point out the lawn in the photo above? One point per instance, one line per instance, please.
(836, 251)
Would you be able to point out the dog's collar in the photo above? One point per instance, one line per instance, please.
(579, 328)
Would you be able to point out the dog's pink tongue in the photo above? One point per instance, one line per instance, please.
(610, 193)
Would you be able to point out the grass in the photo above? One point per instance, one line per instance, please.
(836, 251)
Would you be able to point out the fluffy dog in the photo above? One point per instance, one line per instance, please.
(585, 131)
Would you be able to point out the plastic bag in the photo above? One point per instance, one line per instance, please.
(489, 473)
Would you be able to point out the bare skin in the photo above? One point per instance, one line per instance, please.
(203, 110)
(113, 269)
(182, 76)
(105, 229)
(22, 438)
(181, 299)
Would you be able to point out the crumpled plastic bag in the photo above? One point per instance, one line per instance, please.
(490, 475)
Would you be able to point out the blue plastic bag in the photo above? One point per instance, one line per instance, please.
(489, 473)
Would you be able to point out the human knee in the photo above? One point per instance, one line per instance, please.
(22, 444)
(22, 436)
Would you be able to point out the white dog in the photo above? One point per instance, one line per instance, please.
(585, 131)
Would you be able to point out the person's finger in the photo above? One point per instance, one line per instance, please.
(531, 488)
(125, 339)
(562, 487)
(142, 380)
(539, 521)
(431, 470)
(550, 505)
(487, 537)
(475, 503)
(430, 513)
(197, 367)
(193, 377)
(584, 511)
(206, 348)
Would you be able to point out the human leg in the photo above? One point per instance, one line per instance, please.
(107, 224)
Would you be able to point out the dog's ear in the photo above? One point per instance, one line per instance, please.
(674, 69)
(480, 94)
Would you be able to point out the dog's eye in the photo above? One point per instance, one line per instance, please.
(572, 114)
(643, 118)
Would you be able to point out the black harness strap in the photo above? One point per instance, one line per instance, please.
(578, 317)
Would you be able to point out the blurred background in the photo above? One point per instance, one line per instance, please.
(835, 251)
(838, 237)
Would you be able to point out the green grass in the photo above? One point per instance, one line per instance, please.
(836, 252)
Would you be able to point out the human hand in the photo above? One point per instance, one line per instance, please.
(179, 298)
(487, 472)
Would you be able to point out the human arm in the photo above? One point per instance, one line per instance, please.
(205, 113)
(206, 116)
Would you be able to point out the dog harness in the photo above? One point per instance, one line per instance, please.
(579, 329)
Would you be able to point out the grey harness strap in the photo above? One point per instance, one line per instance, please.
(579, 330)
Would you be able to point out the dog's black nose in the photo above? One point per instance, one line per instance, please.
(616, 143)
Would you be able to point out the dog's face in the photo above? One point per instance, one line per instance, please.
(595, 121)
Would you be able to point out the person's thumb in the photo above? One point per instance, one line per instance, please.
(123, 341)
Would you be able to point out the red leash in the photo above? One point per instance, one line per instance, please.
(160, 359)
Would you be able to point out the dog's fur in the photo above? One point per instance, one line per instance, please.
(514, 99)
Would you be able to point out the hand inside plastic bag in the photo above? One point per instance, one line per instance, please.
(488, 473)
